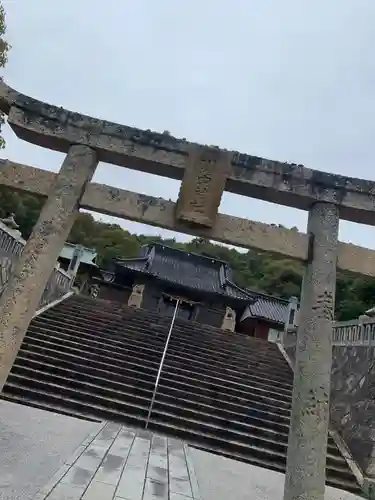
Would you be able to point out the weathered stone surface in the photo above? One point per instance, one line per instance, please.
(6, 269)
(11, 246)
(306, 459)
(162, 154)
(159, 212)
(56, 128)
(353, 402)
(229, 320)
(34, 445)
(205, 176)
(341, 430)
(26, 178)
(123, 463)
(356, 259)
(221, 478)
(352, 406)
(297, 186)
(135, 299)
(36, 263)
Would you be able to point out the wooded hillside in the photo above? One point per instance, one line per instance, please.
(258, 271)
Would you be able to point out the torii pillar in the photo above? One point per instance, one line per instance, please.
(21, 297)
(307, 448)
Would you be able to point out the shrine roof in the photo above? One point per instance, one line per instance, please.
(186, 269)
(267, 307)
(206, 274)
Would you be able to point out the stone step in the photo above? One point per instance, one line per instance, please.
(332, 480)
(196, 379)
(151, 384)
(95, 306)
(167, 385)
(145, 338)
(126, 404)
(220, 391)
(50, 400)
(55, 408)
(164, 420)
(182, 399)
(186, 327)
(155, 318)
(153, 355)
(216, 338)
(165, 393)
(165, 409)
(215, 341)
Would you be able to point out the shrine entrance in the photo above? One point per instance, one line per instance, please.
(167, 306)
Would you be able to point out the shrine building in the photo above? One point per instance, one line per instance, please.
(204, 286)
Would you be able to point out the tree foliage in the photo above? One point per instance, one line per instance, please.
(4, 49)
(252, 269)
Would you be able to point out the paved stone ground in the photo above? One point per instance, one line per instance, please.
(33, 445)
(120, 463)
(109, 462)
(220, 478)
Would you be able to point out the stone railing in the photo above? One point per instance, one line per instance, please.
(345, 333)
(58, 285)
(355, 332)
(11, 246)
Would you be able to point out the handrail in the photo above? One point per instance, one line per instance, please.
(54, 303)
(162, 362)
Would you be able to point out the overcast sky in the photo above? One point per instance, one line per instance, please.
(289, 80)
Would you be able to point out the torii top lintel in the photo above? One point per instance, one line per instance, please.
(161, 154)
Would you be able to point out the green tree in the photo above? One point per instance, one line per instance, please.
(4, 49)
(252, 269)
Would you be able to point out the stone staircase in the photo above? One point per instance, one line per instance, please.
(218, 391)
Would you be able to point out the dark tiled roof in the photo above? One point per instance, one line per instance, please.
(206, 274)
(268, 308)
(138, 264)
(186, 269)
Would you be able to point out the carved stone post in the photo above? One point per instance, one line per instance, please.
(307, 448)
(229, 320)
(21, 297)
(75, 262)
(135, 299)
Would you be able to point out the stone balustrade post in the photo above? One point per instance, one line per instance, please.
(75, 262)
(229, 320)
(20, 298)
(307, 448)
(136, 296)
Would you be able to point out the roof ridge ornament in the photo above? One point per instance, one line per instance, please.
(10, 221)
(108, 276)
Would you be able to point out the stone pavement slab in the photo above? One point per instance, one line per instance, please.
(221, 478)
(33, 445)
(120, 463)
(112, 462)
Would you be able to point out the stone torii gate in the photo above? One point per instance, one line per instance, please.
(205, 173)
